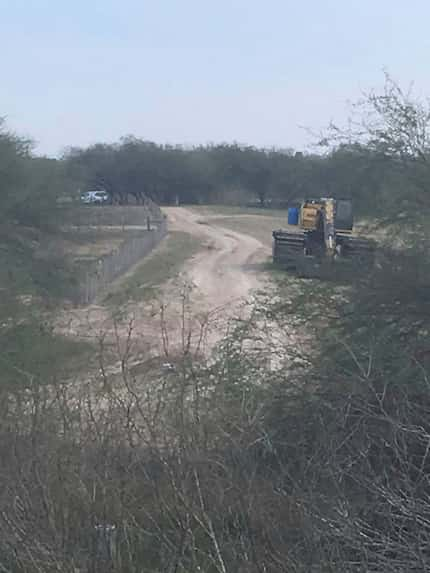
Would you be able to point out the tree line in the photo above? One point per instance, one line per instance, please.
(133, 168)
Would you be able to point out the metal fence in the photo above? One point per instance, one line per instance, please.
(109, 215)
(100, 273)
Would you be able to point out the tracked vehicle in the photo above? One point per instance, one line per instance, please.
(324, 231)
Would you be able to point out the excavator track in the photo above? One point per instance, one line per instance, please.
(287, 247)
(356, 248)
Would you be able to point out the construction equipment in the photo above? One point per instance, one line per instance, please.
(325, 228)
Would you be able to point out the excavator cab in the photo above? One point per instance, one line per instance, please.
(338, 212)
(343, 217)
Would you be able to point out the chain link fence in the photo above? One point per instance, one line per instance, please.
(109, 215)
(101, 272)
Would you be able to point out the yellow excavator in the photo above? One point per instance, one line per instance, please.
(324, 231)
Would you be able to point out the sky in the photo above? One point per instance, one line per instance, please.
(77, 72)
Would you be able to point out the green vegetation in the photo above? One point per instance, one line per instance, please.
(32, 354)
(29, 186)
(144, 281)
(134, 170)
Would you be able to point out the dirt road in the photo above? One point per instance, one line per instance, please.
(222, 274)
(217, 283)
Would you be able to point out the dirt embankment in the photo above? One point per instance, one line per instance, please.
(196, 306)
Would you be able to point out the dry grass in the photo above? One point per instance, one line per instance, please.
(146, 278)
(229, 210)
(260, 227)
(92, 243)
(258, 223)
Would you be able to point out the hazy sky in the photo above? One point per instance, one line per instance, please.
(74, 72)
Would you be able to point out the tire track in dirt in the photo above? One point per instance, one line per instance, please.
(221, 274)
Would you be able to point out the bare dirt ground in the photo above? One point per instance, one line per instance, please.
(192, 309)
(223, 273)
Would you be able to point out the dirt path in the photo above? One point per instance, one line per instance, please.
(212, 288)
(223, 273)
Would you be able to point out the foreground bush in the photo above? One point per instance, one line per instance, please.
(231, 466)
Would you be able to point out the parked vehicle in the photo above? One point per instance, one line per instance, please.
(94, 197)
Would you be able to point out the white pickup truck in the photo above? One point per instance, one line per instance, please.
(94, 197)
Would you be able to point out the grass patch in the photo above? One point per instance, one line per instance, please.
(24, 272)
(252, 221)
(142, 282)
(93, 243)
(229, 210)
(31, 285)
(260, 229)
(32, 353)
